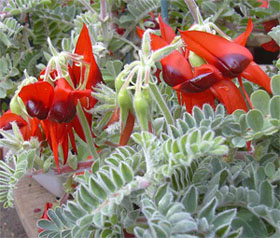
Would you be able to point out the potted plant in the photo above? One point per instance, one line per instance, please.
(179, 138)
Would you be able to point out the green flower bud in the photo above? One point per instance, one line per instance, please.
(141, 108)
(125, 104)
(17, 105)
(146, 43)
(119, 81)
(147, 95)
(196, 60)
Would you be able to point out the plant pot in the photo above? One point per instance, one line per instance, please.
(52, 182)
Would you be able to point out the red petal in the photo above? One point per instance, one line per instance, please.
(228, 94)
(54, 143)
(175, 67)
(78, 128)
(268, 25)
(204, 77)
(156, 41)
(270, 46)
(256, 75)
(65, 147)
(114, 118)
(72, 139)
(8, 117)
(198, 99)
(37, 98)
(126, 132)
(230, 58)
(242, 39)
(84, 48)
(167, 33)
(264, 3)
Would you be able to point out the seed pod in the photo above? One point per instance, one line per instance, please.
(141, 108)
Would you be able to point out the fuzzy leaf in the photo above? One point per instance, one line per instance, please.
(208, 211)
(275, 85)
(190, 199)
(260, 100)
(255, 119)
(267, 194)
(275, 107)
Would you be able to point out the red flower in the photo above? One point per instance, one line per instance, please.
(203, 84)
(271, 45)
(55, 105)
(28, 128)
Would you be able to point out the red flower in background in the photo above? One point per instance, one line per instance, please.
(271, 45)
(225, 61)
(28, 128)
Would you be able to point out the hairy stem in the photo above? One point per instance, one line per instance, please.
(87, 131)
(161, 103)
(193, 9)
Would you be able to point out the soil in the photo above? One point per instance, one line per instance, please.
(10, 225)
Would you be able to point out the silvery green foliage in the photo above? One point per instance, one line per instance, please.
(20, 156)
(188, 180)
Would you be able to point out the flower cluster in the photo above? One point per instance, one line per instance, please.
(51, 102)
(205, 68)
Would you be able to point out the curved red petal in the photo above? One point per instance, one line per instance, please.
(127, 130)
(242, 39)
(204, 77)
(41, 91)
(78, 128)
(270, 46)
(167, 33)
(84, 48)
(72, 139)
(255, 74)
(198, 99)
(228, 94)
(8, 117)
(176, 69)
(229, 57)
(54, 143)
(37, 98)
(268, 25)
(65, 147)
(156, 41)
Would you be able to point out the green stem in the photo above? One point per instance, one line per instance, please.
(193, 9)
(161, 103)
(87, 131)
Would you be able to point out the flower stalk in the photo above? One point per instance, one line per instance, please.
(87, 131)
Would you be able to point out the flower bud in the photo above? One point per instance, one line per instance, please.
(195, 60)
(17, 105)
(119, 81)
(125, 104)
(146, 43)
(147, 94)
(141, 108)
